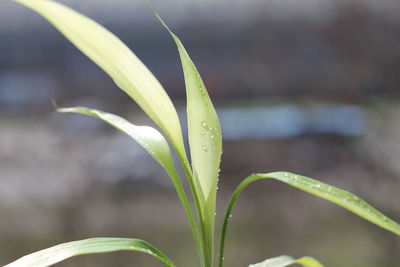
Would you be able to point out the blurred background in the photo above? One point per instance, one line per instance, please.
(307, 86)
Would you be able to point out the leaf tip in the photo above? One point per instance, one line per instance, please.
(159, 18)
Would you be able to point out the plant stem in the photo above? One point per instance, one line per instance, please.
(228, 215)
(189, 214)
(205, 254)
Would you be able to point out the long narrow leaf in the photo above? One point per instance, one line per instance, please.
(148, 137)
(64, 251)
(333, 194)
(155, 144)
(338, 196)
(205, 140)
(118, 61)
(203, 125)
(283, 261)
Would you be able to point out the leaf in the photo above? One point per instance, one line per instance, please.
(151, 140)
(333, 194)
(338, 196)
(283, 261)
(203, 125)
(205, 141)
(67, 250)
(148, 137)
(118, 61)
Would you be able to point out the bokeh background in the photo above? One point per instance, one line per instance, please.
(305, 86)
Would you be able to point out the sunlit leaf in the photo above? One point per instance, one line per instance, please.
(148, 137)
(205, 138)
(155, 144)
(64, 251)
(283, 261)
(203, 125)
(338, 196)
(118, 61)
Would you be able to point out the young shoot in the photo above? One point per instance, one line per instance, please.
(205, 146)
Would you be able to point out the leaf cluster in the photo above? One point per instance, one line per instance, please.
(205, 146)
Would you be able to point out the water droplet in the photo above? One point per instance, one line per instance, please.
(204, 148)
(212, 136)
(204, 124)
(230, 216)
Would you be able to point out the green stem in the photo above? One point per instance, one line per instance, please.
(189, 215)
(205, 254)
(228, 215)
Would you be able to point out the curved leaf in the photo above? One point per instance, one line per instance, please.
(118, 61)
(338, 196)
(333, 194)
(283, 261)
(151, 140)
(205, 139)
(67, 250)
(148, 137)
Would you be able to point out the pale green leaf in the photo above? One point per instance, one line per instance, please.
(333, 194)
(118, 61)
(148, 137)
(64, 251)
(205, 141)
(155, 144)
(338, 196)
(283, 261)
(203, 125)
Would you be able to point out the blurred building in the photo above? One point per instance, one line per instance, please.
(334, 50)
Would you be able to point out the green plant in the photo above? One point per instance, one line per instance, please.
(205, 143)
